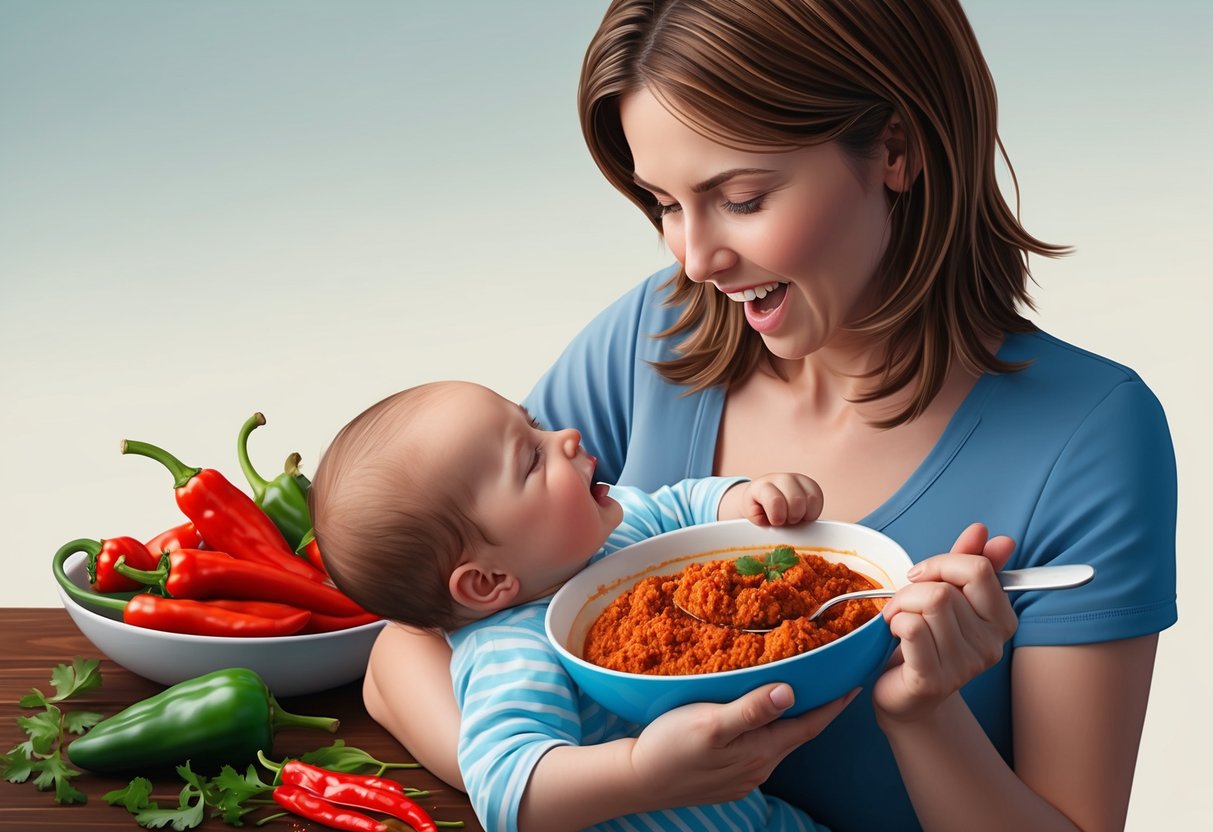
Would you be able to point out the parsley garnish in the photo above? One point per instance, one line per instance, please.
(41, 756)
(771, 565)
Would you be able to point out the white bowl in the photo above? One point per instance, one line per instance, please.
(817, 677)
(290, 665)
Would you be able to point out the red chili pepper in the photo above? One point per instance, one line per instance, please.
(300, 801)
(266, 609)
(200, 574)
(321, 623)
(309, 549)
(389, 802)
(184, 536)
(318, 780)
(103, 554)
(227, 518)
(200, 618)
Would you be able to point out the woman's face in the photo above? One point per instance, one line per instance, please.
(796, 236)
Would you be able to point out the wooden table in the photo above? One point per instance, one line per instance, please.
(35, 640)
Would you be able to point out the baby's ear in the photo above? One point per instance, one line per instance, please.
(482, 590)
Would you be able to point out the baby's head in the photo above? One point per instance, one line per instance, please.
(446, 502)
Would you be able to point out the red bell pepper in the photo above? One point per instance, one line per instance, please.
(200, 574)
(103, 554)
(227, 518)
(183, 536)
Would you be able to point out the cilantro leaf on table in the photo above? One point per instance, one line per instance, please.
(191, 804)
(233, 788)
(134, 796)
(41, 755)
(83, 675)
(771, 565)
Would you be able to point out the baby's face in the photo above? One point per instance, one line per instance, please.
(535, 495)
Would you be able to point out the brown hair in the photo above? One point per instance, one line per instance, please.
(389, 528)
(780, 74)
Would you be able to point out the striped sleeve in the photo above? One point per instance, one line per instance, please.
(686, 503)
(517, 703)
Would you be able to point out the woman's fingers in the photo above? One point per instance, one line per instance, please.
(757, 708)
(952, 620)
(755, 717)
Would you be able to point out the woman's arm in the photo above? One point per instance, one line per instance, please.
(1078, 714)
(408, 691)
(1078, 710)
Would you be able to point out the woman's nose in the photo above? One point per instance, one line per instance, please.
(570, 442)
(705, 252)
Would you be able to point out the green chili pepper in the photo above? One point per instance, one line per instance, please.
(220, 718)
(284, 499)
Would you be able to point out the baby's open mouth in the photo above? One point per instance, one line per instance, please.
(599, 491)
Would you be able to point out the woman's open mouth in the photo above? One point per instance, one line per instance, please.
(762, 303)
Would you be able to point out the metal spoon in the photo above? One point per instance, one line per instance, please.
(1064, 576)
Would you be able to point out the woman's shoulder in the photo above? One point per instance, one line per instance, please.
(1056, 368)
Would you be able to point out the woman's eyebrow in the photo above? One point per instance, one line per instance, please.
(707, 184)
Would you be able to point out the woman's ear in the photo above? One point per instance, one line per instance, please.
(483, 590)
(902, 162)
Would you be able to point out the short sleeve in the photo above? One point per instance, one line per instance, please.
(1110, 501)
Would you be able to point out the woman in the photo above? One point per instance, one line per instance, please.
(847, 303)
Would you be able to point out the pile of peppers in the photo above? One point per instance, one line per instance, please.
(235, 566)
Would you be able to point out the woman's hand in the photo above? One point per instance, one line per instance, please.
(773, 500)
(707, 753)
(953, 620)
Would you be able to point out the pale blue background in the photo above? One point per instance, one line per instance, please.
(212, 208)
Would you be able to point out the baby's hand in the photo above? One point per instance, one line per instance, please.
(774, 500)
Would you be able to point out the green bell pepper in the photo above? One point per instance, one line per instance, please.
(221, 718)
(283, 499)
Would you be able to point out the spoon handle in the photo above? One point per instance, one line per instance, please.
(1062, 576)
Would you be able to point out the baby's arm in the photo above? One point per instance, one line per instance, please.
(773, 500)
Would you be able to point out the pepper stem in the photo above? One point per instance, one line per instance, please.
(91, 600)
(280, 719)
(181, 472)
(270, 764)
(149, 577)
(257, 482)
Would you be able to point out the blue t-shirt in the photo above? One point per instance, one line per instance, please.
(1071, 457)
(517, 702)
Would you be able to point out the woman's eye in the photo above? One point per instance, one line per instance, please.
(536, 459)
(750, 206)
(662, 210)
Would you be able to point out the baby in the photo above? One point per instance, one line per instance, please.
(447, 507)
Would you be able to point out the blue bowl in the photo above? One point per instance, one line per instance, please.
(817, 677)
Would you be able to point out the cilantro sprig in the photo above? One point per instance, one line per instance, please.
(771, 565)
(42, 755)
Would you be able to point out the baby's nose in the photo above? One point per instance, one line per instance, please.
(570, 441)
